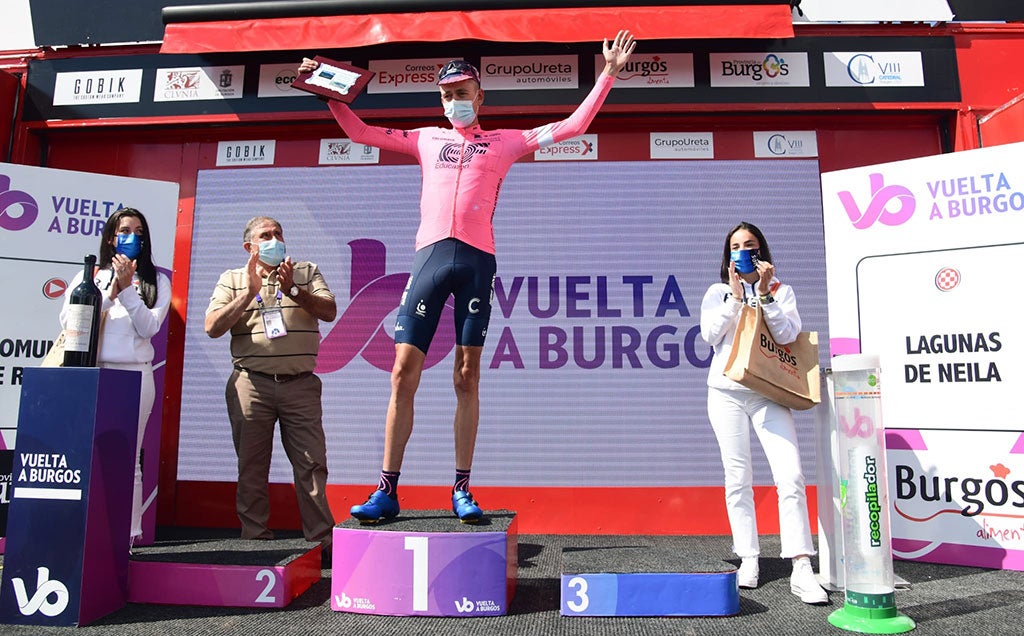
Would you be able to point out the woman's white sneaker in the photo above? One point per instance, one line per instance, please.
(804, 584)
(747, 575)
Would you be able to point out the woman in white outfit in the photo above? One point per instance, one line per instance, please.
(748, 277)
(136, 298)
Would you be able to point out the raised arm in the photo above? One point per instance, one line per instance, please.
(616, 55)
(402, 141)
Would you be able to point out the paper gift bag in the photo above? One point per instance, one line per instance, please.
(786, 374)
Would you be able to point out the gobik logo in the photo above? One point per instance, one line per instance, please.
(360, 329)
(29, 209)
(878, 207)
(40, 600)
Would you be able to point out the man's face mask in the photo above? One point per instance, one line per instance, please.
(272, 252)
(460, 112)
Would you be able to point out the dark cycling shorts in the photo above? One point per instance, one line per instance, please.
(448, 267)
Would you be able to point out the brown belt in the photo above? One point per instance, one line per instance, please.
(276, 377)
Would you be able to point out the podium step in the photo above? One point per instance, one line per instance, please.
(221, 572)
(643, 581)
(425, 563)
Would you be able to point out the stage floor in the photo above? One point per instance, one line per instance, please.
(943, 599)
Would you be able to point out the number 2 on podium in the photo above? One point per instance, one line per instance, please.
(418, 546)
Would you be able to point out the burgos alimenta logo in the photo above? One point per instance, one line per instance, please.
(18, 210)
(889, 205)
(995, 501)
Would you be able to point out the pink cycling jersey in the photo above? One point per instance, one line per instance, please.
(463, 168)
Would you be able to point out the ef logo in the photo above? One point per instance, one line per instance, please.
(360, 331)
(877, 208)
(11, 198)
(40, 601)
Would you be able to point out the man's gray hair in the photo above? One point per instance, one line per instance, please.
(253, 222)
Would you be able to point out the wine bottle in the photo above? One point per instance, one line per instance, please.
(82, 333)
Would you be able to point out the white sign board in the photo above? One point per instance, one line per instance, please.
(916, 255)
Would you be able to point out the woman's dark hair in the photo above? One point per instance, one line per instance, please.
(144, 267)
(765, 253)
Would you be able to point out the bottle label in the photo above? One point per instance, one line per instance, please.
(79, 328)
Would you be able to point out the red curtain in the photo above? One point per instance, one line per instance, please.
(510, 25)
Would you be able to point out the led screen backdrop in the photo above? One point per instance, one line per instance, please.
(593, 372)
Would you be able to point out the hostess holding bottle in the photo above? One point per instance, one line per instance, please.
(82, 333)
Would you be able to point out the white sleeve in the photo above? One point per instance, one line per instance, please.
(147, 320)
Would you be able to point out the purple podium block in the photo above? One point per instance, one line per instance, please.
(425, 563)
(223, 572)
(66, 559)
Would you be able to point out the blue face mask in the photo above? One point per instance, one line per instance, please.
(272, 252)
(746, 260)
(460, 112)
(129, 244)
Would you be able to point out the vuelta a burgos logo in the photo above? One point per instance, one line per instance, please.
(40, 601)
(880, 208)
(360, 329)
(16, 201)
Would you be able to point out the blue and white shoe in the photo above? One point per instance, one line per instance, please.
(378, 506)
(465, 508)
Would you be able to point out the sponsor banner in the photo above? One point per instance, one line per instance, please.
(945, 202)
(582, 148)
(877, 68)
(788, 144)
(195, 83)
(345, 151)
(914, 251)
(580, 324)
(957, 488)
(405, 76)
(683, 145)
(98, 87)
(258, 152)
(664, 70)
(732, 70)
(276, 81)
(529, 72)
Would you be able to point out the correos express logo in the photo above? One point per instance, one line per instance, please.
(880, 206)
(18, 210)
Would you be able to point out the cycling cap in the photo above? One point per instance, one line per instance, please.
(456, 71)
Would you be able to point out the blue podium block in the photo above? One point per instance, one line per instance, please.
(69, 521)
(642, 581)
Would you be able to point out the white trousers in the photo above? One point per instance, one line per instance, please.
(147, 396)
(732, 415)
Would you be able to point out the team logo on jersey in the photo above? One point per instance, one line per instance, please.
(451, 153)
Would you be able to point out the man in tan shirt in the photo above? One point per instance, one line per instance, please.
(272, 306)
